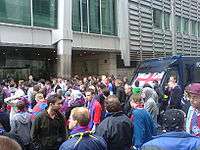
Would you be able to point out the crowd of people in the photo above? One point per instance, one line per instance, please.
(98, 113)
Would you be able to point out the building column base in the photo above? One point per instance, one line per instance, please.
(64, 58)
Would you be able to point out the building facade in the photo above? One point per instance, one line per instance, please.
(164, 27)
(83, 37)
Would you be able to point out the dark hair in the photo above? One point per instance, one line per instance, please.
(101, 86)
(91, 91)
(112, 104)
(48, 82)
(105, 92)
(42, 81)
(137, 83)
(155, 81)
(21, 105)
(30, 84)
(174, 76)
(36, 88)
(21, 83)
(3, 83)
(147, 85)
(52, 99)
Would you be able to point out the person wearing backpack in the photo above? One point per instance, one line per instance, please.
(81, 137)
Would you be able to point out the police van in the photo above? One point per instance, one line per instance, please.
(185, 68)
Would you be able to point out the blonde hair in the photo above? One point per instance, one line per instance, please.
(118, 82)
(9, 144)
(81, 115)
(136, 98)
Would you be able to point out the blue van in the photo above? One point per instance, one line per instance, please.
(186, 69)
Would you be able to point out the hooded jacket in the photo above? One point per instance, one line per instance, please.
(21, 125)
(144, 127)
(150, 102)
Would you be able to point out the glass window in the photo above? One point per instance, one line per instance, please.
(108, 17)
(94, 14)
(167, 21)
(15, 11)
(157, 18)
(198, 29)
(3, 10)
(193, 27)
(76, 17)
(196, 72)
(178, 24)
(84, 15)
(185, 25)
(45, 13)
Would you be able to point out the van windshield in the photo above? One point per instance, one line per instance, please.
(158, 65)
(148, 71)
(145, 78)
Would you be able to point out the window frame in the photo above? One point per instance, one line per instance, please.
(169, 15)
(193, 29)
(179, 25)
(185, 20)
(155, 22)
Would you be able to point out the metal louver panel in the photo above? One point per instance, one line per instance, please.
(146, 41)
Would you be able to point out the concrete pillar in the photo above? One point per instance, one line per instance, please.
(64, 48)
(63, 36)
(173, 28)
(123, 30)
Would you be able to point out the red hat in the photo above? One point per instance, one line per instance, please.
(193, 88)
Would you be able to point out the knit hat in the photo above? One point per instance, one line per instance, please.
(173, 120)
(193, 88)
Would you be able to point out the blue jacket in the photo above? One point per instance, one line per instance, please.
(144, 127)
(173, 141)
(84, 141)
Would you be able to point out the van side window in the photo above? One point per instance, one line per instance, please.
(187, 74)
(171, 72)
(196, 74)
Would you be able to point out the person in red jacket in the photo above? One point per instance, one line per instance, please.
(94, 108)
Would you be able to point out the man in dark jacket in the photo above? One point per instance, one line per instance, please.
(116, 129)
(48, 129)
(80, 136)
(176, 93)
(127, 106)
(4, 120)
(120, 93)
